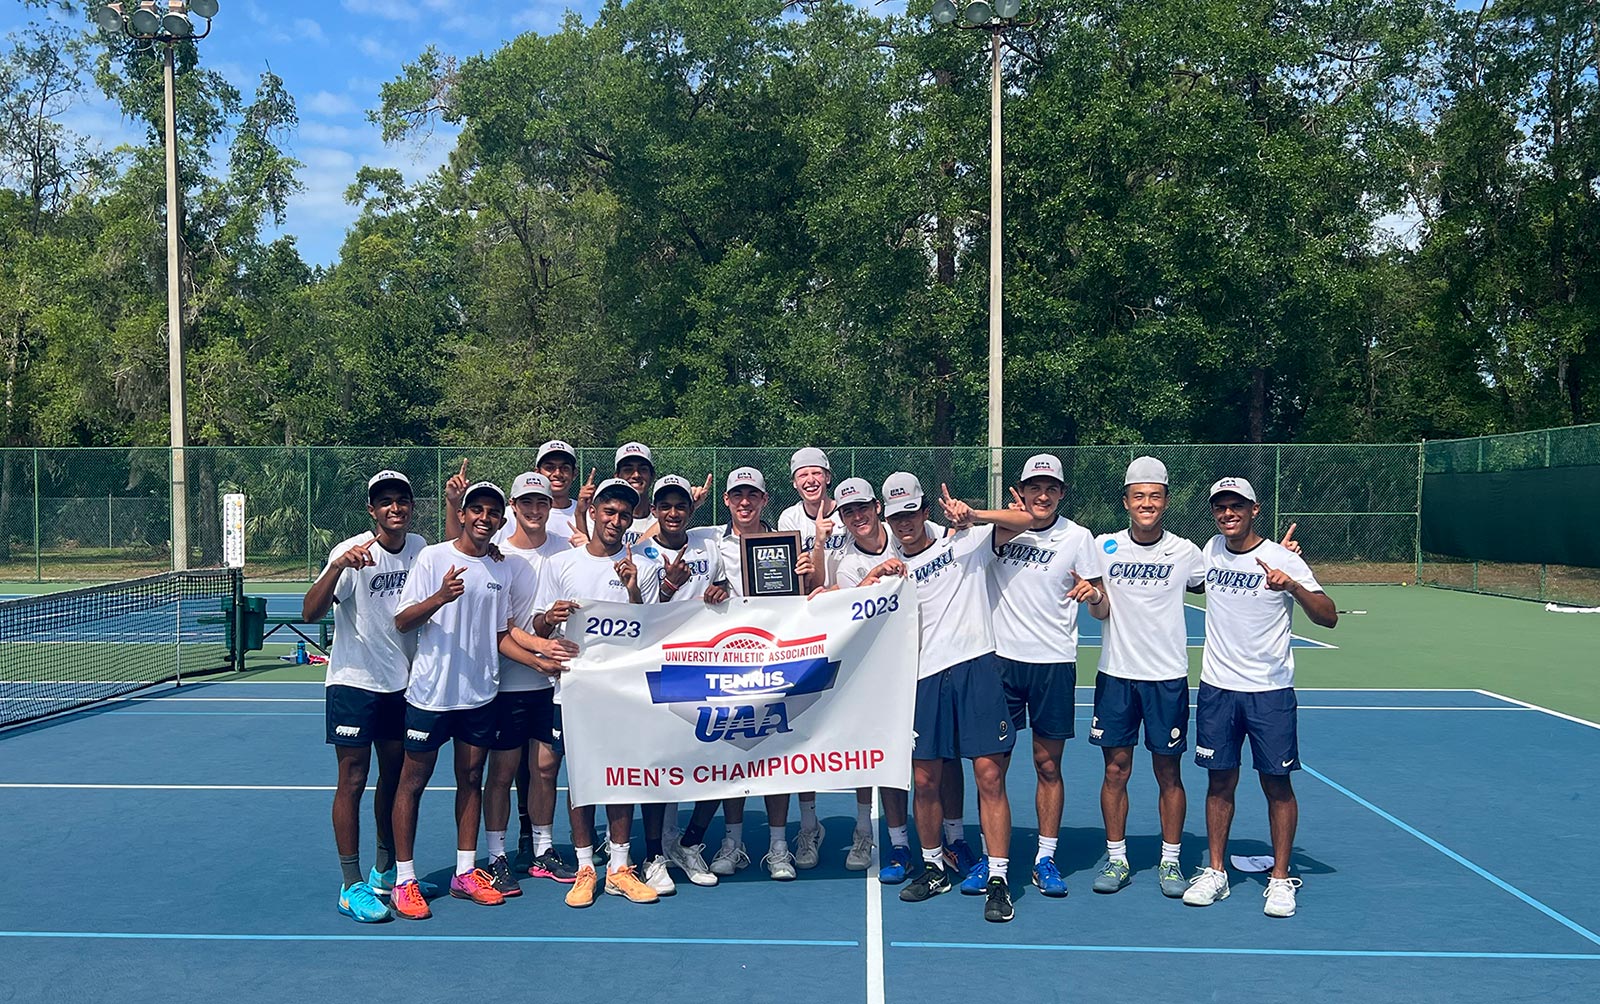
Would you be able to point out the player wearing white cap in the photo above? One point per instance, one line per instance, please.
(635, 466)
(1247, 685)
(366, 681)
(606, 570)
(558, 462)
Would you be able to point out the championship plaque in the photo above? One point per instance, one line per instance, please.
(767, 561)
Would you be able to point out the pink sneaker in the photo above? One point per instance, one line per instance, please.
(478, 886)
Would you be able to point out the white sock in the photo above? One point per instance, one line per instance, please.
(900, 836)
(543, 839)
(1047, 848)
(619, 857)
(405, 871)
(933, 856)
(983, 842)
(1117, 850)
(864, 817)
(669, 821)
(466, 860)
(998, 866)
(735, 834)
(777, 839)
(953, 831)
(497, 843)
(808, 815)
(585, 856)
(1170, 852)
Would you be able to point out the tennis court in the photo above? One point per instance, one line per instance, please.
(1441, 841)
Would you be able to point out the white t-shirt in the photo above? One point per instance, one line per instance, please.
(558, 527)
(1145, 636)
(368, 653)
(795, 518)
(702, 552)
(953, 603)
(575, 574)
(524, 568)
(457, 664)
(1247, 624)
(553, 545)
(853, 563)
(1034, 621)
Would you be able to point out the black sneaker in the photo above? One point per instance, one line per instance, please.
(930, 882)
(997, 908)
(524, 858)
(505, 880)
(550, 865)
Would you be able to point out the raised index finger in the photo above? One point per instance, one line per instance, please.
(1290, 535)
(463, 467)
(590, 482)
(1264, 565)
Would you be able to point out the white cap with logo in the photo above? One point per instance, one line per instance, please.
(671, 483)
(483, 486)
(1043, 465)
(555, 446)
(853, 490)
(808, 456)
(531, 483)
(638, 450)
(902, 492)
(1239, 486)
(748, 477)
(618, 488)
(1145, 471)
(382, 476)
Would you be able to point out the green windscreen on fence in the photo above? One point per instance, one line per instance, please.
(1547, 515)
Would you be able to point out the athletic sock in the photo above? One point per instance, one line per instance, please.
(808, 814)
(466, 860)
(933, 856)
(863, 817)
(669, 819)
(1170, 852)
(524, 827)
(497, 843)
(350, 864)
(652, 847)
(585, 856)
(543, 839)
(735, 834)
(1116, 850)
(405, 871)
(953, 831)
(1047, 848)
(385, 856)
(900, 836)
(983, 842)
(692, 836)
(777, 839)
(619, 857)
(998, 867)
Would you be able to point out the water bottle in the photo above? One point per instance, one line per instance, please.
(300, 653)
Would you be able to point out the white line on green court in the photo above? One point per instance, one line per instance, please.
(1535, 707)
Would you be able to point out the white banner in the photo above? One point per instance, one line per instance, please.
(684, 701)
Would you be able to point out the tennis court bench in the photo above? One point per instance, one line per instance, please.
(256, 626)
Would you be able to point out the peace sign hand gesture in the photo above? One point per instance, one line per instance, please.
(452, 587)
(956, 511)
(677, 571)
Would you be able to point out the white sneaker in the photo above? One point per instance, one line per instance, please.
(860, 857)
(1209, 885)
(691, 861)
(656, 877)
(780, 865)
(808, 846)
(729, 859)
(1280, 897)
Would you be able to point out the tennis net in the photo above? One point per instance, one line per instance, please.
(65, 650)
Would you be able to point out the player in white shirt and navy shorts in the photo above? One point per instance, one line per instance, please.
(365, 705)
(1247, 685)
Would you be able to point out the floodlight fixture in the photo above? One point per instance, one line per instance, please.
(978, 13)
(944, 11)
(203, 8)
(1007, 9)
(109, 17)
(145, 20)
(176, 25)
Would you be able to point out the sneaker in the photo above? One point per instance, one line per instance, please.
(623, 882)
(383, 882)
(808, 846)
(524, 859)
(997, 908)
(780, 865)
(1172, 884)
(1048, 878)
(361, 904)
(930, 882)
(551, 866)
(860, 857)
(1280, 897)
(1113, 875)
(977, 881)
(505, 880)
(408, 902)
(582, 892)
(1208, 886)
(729, 859)
(691, 861)
(897, 867)
(961, 859)
(656, 877)
(478, 886)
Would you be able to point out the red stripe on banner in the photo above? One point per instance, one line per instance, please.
(745, 630)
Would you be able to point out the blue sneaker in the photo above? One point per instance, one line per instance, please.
(895, 870)
(382, 883)
(1048, 878)
(960, 857)
(360, 904)
(977, 881)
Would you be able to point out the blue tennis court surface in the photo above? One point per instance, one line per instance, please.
(176, 847)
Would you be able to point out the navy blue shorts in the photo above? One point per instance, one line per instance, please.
(1224, 717)
(1042, 696)
(521, 715)
(961, 712)
(357, 717)
(557, 744)
(429, 730)
(1120, 706)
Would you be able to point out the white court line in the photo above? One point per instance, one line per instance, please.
(1535, 707)
(875, 990)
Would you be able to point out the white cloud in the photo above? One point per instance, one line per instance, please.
(309, 29)
(391, 10)
(331, 135)
(373, 48)
(544, 20)
(325, 103)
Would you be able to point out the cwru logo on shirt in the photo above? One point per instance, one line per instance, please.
(1144, 571)
(1026, 554)
(1225, 578)
(385, 582)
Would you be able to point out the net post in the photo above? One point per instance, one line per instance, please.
(237, 587)
(178, 636)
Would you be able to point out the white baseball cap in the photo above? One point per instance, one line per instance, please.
(619, 488)
(809, 456)
(555, 446)
(674, 482)
(531, 483)
(1145, 471)
(483, 486)
(382, 476)
(853, 490)
(639, 450)
(1239, 486)
(748, 476)
(1042, 465)
(902, 492)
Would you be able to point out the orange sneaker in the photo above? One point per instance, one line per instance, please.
(623, 882)
(582, 892)
(407, 901)
(478, 886)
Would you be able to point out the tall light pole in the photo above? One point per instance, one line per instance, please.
(996, 19)
(146, 25)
